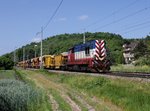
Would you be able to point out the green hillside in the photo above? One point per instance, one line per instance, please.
(61, 43)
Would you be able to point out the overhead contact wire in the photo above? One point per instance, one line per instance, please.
(132, 14)
(53, 15)
(134, 2)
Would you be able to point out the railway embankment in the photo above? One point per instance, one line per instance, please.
(19, 94)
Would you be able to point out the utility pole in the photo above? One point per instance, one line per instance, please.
(23, 54)
(84, 36)
(41, 63)
(27, 57)
(23, 57)
(15, 57)
(35, 50)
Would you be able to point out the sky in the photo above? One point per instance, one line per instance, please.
(21, 20)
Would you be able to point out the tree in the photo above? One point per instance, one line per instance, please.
(61, 43)
(6, 63)
(147, 40)
(147, 37)
(140, 50)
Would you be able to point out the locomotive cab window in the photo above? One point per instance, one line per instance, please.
(87, 51)
(71, 50)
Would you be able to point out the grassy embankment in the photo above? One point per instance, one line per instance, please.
(50, 88)
(131, 68)
(7, 74)
(20, 95)
(130, 95)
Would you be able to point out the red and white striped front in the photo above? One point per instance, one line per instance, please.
(100, 51)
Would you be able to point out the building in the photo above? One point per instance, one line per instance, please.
(128, 52)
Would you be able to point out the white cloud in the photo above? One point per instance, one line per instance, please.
(83, 17)
(36, 40)
(62, 19)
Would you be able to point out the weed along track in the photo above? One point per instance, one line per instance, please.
(141, 75)
(65, 98)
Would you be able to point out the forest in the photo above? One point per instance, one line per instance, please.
(61, 43)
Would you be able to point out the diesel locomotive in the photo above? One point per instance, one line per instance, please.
(90, 56)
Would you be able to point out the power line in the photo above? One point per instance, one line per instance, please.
(53, 15)
(43, 28)
(132, 14)
(136, 25)
(136, 29)
(129, 25)
(108, 16)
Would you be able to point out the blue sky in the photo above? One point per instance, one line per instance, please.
(20, 20)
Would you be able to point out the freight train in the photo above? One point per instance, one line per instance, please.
(90, 56)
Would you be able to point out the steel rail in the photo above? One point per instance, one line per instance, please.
(113, 73)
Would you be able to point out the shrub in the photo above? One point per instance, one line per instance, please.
(143, 61)
(5, 63)
(18, 96)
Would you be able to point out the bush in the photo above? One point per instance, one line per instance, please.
(18, 96)
(143, 61)
(6, 63)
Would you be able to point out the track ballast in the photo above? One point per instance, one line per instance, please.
(113, 73)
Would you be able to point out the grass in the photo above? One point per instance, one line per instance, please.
(63, 105)
(131, 68)
(18, 96)
(45, 105)
(129, 95)
(76, 96)
(7, 74)
(17, 93)
(77, 101)
(57, 94)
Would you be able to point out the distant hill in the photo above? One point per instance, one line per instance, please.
(61, 43)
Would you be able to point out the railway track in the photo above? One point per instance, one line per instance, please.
(114, 73)
(130, 74)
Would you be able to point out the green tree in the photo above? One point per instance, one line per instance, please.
(140, 50)
(61, 43)
(147, 40)
(6, 63)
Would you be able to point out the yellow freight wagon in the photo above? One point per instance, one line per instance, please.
(48, 61)
(26, 64)
(32, 63)
(60, 60)
(36, 62)
(20, 64)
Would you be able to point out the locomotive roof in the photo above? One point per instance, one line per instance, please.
(48, 55)
(83, 44)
